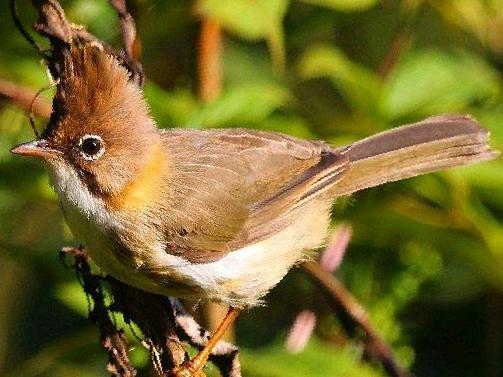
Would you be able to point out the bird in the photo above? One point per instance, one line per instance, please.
(211, 214)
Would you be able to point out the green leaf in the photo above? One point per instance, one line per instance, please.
(344, 5)
(97, 15)
(316, 360)
(287, 124)
(253, 20)
(359, 85)
(242, 64)
(241, 105)
(433, 81)
(72, 295)
(170, 109)
(250, 19)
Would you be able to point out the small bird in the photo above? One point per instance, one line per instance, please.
(218, 214)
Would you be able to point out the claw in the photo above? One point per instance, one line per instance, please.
(187, 369)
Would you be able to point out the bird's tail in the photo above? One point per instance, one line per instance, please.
(426, 146)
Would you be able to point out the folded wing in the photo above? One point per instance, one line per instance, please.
(233, 185)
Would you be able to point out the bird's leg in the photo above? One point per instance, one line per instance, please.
(193, 368)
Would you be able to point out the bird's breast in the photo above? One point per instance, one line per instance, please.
(144, 188)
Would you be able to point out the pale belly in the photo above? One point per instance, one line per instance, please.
(241, 278)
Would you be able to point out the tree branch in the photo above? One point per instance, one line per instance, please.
(113, 340)
(354, 317)
(23, 97)
(132, 44)
(53, 24)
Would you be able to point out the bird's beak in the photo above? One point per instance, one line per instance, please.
(36, 148)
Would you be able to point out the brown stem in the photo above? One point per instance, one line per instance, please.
(401, 40)
(23, 97)
(209, 63)
(353, 316)
(399, 43)
(131, 41)
(53, 24)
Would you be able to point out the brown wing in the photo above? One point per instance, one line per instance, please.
(229, 186)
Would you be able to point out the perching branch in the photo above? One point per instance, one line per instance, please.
(154, 315)
(112, 339)
(163, 321)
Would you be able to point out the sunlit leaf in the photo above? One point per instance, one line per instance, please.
(72, 295)
(170, 109)
(316, 360)
(358, 84)
(251, 19)
(434, 81)
(480, 18)
(344, 5)
(97, 15)
(241, 105)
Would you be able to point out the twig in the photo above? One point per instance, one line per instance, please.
(132, 44)
(398, 44)
(23, 97)
(22, 29)
(401, 40)
(113, 340)
(162, 321)
(353, 317)
(52, 23)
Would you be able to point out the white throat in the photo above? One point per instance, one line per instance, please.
(71, 190)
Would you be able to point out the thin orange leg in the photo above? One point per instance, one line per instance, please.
(193, 368)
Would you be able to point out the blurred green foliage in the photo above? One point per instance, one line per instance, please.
(426, 258)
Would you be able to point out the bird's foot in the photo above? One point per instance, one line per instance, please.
(187, 369)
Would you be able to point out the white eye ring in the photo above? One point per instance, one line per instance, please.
(86, 142)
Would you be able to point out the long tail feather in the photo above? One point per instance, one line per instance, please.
(435, 143)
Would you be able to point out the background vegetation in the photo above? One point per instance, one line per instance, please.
(426, 257)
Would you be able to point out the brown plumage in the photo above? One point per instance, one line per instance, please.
(216, 214)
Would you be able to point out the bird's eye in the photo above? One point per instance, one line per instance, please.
(91, 147)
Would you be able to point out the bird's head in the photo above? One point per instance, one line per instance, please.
(100, 130)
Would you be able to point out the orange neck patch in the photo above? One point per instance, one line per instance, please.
(143, 189)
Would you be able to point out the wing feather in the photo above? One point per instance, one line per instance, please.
(232, 186)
